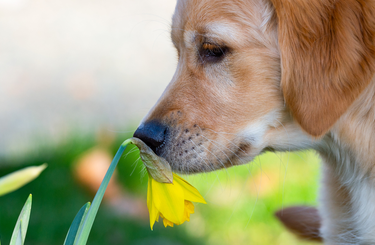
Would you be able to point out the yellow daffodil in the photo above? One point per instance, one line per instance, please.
(171, 201)
(168, 195)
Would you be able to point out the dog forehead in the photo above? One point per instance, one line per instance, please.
(233, 22)
(192, 18)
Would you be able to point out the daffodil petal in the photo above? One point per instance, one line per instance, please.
(167, 223)
(190, 193)
(169, 200)
(154, 216)
(149, 194)
(153, 212)
(189, 209)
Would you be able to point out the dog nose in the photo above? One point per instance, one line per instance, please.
(153, 133)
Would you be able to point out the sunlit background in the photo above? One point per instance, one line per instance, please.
(76, 77)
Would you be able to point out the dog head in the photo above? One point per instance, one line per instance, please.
(257, 75)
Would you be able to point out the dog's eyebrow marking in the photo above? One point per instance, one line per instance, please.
(223, 31)
(216, 31)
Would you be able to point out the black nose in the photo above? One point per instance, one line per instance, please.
(153, 133)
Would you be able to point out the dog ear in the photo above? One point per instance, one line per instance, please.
(303, 221)
(327, 56)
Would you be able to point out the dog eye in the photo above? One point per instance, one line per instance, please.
(212, 52)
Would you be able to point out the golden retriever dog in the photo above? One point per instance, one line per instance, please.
(277, 75)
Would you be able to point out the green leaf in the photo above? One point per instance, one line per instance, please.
(84, 233)
(19, 232)
(15, 180)
(76, 225)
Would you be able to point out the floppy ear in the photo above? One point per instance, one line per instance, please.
(327, 55)
(304, 221)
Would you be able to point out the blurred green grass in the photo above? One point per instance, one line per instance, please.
(239, 210)
(242, 200)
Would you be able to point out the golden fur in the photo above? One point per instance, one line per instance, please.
(293, 75)
(328, 55)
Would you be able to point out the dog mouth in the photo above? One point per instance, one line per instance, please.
(195, 150)
(192, 148)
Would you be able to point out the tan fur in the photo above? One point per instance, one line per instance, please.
(328, 57)
(296, 75)
(198, 93)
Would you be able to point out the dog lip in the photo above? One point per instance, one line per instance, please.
(158, 149)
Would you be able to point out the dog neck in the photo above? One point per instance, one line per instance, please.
(348, 190)
(352, 140)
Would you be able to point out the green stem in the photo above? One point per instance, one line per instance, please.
(89, 220)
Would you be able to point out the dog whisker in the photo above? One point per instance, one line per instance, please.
(227, 149)
(208, 165)
(135, 165)
(131, 151)
(215, 157)
(287, 163)
(236, 136)
(218, 147)
(239, 158)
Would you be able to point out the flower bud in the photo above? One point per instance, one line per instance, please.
(15, 180)
(157, 167)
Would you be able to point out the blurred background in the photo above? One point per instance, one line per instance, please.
(76, 77)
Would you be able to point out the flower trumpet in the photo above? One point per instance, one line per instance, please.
(168, 195)
(171, 201)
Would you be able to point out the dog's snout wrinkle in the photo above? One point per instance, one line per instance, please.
(153, 133)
